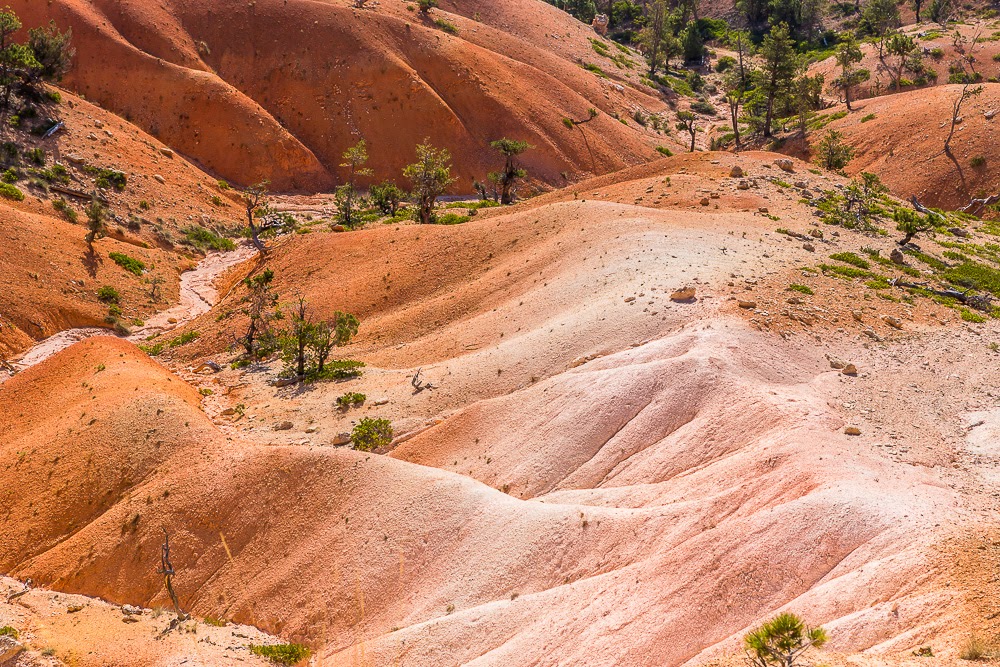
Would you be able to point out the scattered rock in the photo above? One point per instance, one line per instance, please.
(874, 336)
(381, 401)
(764, 210)
(99, 124)
(857, 315)
(849, 369)
(92, 136)
(130, 610)
(683, 294)
(747, 305)
(311, 429)
(340, 439)
(159, 179)
(629, 299)
(228, 412)
(10, 648)
(704, 201)
(785, 164)
(897, 256)
(836, 363)
(166, 152)
(283, 426)
(73, 158)
(171, 320)
(852, 430)
(795, 301)
(736, 172)
(893, 322)
(816, 233)
(809, 247)
(801, 185)
(73, 608)
(742, 185)
(989, 115)
(958, 231)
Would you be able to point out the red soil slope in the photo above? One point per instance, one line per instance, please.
(904, 144)
(298, 82)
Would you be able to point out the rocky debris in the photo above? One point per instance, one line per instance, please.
(228, 412)
(683, 294)
(816, 233)
(893, 322)
(312, 429)
(801, 185)
(159, 179)
(764, 210)
(736, 172)
(10, 648)
(99, 124)
(73, 158)
(747, 305)
(897, 256)
(166, 152)
(958, 231)
(852, 430)
(785, 164)
(857, 315)
(92, 137)
(849, 369)
(629, 299)
(131, 610)
(381, 401)
(836, 363)
(73, 608)
(795, 301)
(283, 426)
(989, 115)
(704, 201)
(809, 247)
(743, 185)
(871, 334)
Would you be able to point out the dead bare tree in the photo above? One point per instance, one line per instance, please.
(418, 384)
(167, 570)
(967, 65)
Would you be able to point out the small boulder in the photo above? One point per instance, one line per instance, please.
(736, 172)
(897, 256)
(742, 185)
(166, 152)
(893, 322)
(852, 430)
(704, 201)
(340, 439)
(836, 363)
(857, 315)
(849, 369)
(283, 426)
(809, 247)
(747, 305)
(130, 610)
(816, 233)
(958, 231)
(159, 179)
(785, 164)
(683, 294)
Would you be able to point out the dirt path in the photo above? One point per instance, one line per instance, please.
(197, 296)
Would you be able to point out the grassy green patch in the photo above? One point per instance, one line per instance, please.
(803, 289)
(974, 275)
(205, 239)
(8, 631)
(848, 272)
(8, 191)
(185, 338)
(852, 259)
(969, 316)
(130, 264)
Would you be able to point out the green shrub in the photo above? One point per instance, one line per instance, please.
(282, 654)
(846, 271)
(371, 434)
(351, 398)
(223, 185)
(779, 641)
(867, 118)
(65, 209)
(342, 369)
(447, 26)
(8, 191)
(977, 161)
(969, 316)
(452, 219)
(851, 258)
(153, 350)
(724, 63)
(975, 276)
(804, 289)
(108, 294)
(12, 175)
(8, 631)
(703, 107)
(185, 338)
(664, 150)
(130, 264)
(107, 178)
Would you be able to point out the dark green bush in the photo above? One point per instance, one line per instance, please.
(130, 264)
(371, 434)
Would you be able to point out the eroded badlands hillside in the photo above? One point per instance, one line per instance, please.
(600, 475)
(278, 90)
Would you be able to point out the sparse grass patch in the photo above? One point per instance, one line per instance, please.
(350, 399)
(452, 219)
(975, 275)
(185, 338)
(802, 289)
(108, 294)
(447, 26)
(203, 239)
(878, 283)
(974, 648)
(281, 654)
(969, 316)
(664, 150)
(852, 259)
(341, 369)
(867, 118)
(847, 272)
(8, 631)
(153, 350)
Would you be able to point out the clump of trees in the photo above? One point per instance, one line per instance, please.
(25, 66)
(307, 343)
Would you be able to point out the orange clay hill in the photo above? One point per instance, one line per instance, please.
(602, 471)
(278, 90)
